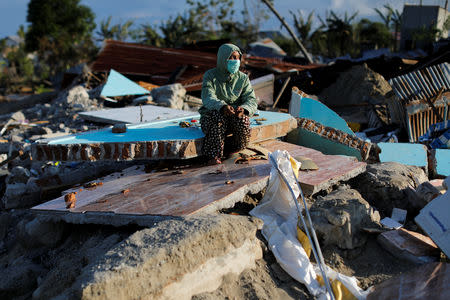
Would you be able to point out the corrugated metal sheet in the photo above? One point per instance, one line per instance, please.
(422, 84)
(158, 64)
(415, 91)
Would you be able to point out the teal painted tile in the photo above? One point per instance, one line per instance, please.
(317, 111)
(442, 157)
(311, 140)
(166, 130)
(119, 85)
(404, 153)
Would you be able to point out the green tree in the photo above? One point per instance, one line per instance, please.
(339, 34)
(303, 26)
(148, 35)
(19, 68)
(392, 18)
(61, 32)
(373, 35)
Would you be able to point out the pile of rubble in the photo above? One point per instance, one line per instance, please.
(168, 229)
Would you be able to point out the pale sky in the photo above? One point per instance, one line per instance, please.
(13, 12)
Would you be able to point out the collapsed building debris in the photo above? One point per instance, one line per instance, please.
(332, 141)
(119, 85)
(404, 153)
(422, 99)
(133, 114)
(388, 185)
(434, 220)
(359, 95)
(154, 195)
(340, 216)
(410, 246)
(189, 210)
(157, 140)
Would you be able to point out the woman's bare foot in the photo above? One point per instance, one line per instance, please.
(214, 161)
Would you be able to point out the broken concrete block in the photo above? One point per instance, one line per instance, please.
(18, 175)
(434, 220)
(303, 107)
(339, 217)
(427, 192)
(388, 185)
(17, 195)
(404, 153)
(409, 245)
(77, 97)
(328, 140)
(440, 162)
(430, 281)
(19, 278)
(18, 116)
(171, 95)
(175, 259)
(38, 233)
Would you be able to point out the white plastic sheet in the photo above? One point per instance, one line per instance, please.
(278, 212)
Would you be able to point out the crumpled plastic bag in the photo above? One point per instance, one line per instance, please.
(278, 212)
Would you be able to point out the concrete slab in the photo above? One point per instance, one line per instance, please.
(440, 159)
(119, 85)
(328, 140)
(175, 259)
(430, 281)
(134, 196)
(150, 141)
(132, 114)
(434, 220)
(303, 107)
(404, 153)
(409, 245)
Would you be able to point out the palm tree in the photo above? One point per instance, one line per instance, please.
(340, 34)
(397, 21)
(148, 35)
(387, 18)
(303, 26)
(118, 32)
(392, 19)
(105, 31)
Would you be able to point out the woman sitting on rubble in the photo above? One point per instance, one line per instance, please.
(228, 102)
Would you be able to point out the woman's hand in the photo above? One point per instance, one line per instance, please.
(228, 110)
(239, 111)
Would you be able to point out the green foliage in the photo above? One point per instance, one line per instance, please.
(392, 19)
(302, 26)
(119, 32)
(339, 34)
(60, 31)
(425, 35)
(182, 30)
(148, 35)
(18, 68)
(374, 34)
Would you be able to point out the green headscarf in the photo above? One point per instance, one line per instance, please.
(222, 56)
